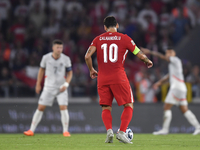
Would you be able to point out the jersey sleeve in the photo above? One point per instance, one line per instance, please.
(130, 45)
(94, 42)
(43, 62)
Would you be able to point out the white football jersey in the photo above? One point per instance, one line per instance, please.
(176, 77)
(55, 70)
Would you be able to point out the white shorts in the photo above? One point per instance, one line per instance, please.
(176, 97)
(49, 94)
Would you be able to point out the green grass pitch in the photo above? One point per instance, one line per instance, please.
(96, 142)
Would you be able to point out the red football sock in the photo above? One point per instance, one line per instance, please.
(126, 118)
(107, 118)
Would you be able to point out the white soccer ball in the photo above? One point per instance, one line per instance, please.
(128, 133)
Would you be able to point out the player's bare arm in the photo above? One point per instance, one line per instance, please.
(157, 54)
(39, 80)
(69, 76)
(88, 60)
(67, 82)
(145, 59)
(161, 81)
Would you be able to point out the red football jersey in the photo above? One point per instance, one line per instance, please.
(112, 49)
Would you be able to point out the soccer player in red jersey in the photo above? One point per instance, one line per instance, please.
(112, 48)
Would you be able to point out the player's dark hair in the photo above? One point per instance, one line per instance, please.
(170, 48)
(110, 21)
(59, 42)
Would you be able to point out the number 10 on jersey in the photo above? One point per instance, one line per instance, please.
(113, 50)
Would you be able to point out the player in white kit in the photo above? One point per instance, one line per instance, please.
(58, 74)
(177, 91)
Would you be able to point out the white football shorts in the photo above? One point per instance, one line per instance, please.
(176, 97)
(49, 94)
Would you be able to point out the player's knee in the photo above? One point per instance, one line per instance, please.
(129, 105)
(41, 108)
(63, 107)
(167, 106)
(106, 107)
(183, 109)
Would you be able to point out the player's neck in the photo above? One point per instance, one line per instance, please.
(55, 56)
(112, 30)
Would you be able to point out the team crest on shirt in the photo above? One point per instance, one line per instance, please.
(132, 42)
(61, 64)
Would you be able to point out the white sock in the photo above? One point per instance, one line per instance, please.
(167, 120)
(65, 120)
(192, 119)
(36, 119)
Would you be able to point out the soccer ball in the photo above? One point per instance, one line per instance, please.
(128, 133)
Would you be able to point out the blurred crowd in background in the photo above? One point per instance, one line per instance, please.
(28, 27)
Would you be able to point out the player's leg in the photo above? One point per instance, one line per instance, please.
(37, 117)
(167, 117)
(62, 99)
(106, 116)
(125, 120)
(191, 118)
(65, 120)
(107, 120)
(46, 99)
(126, 116)
(35, 120)
(123, 95)
(181, 97)
(106, 98)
